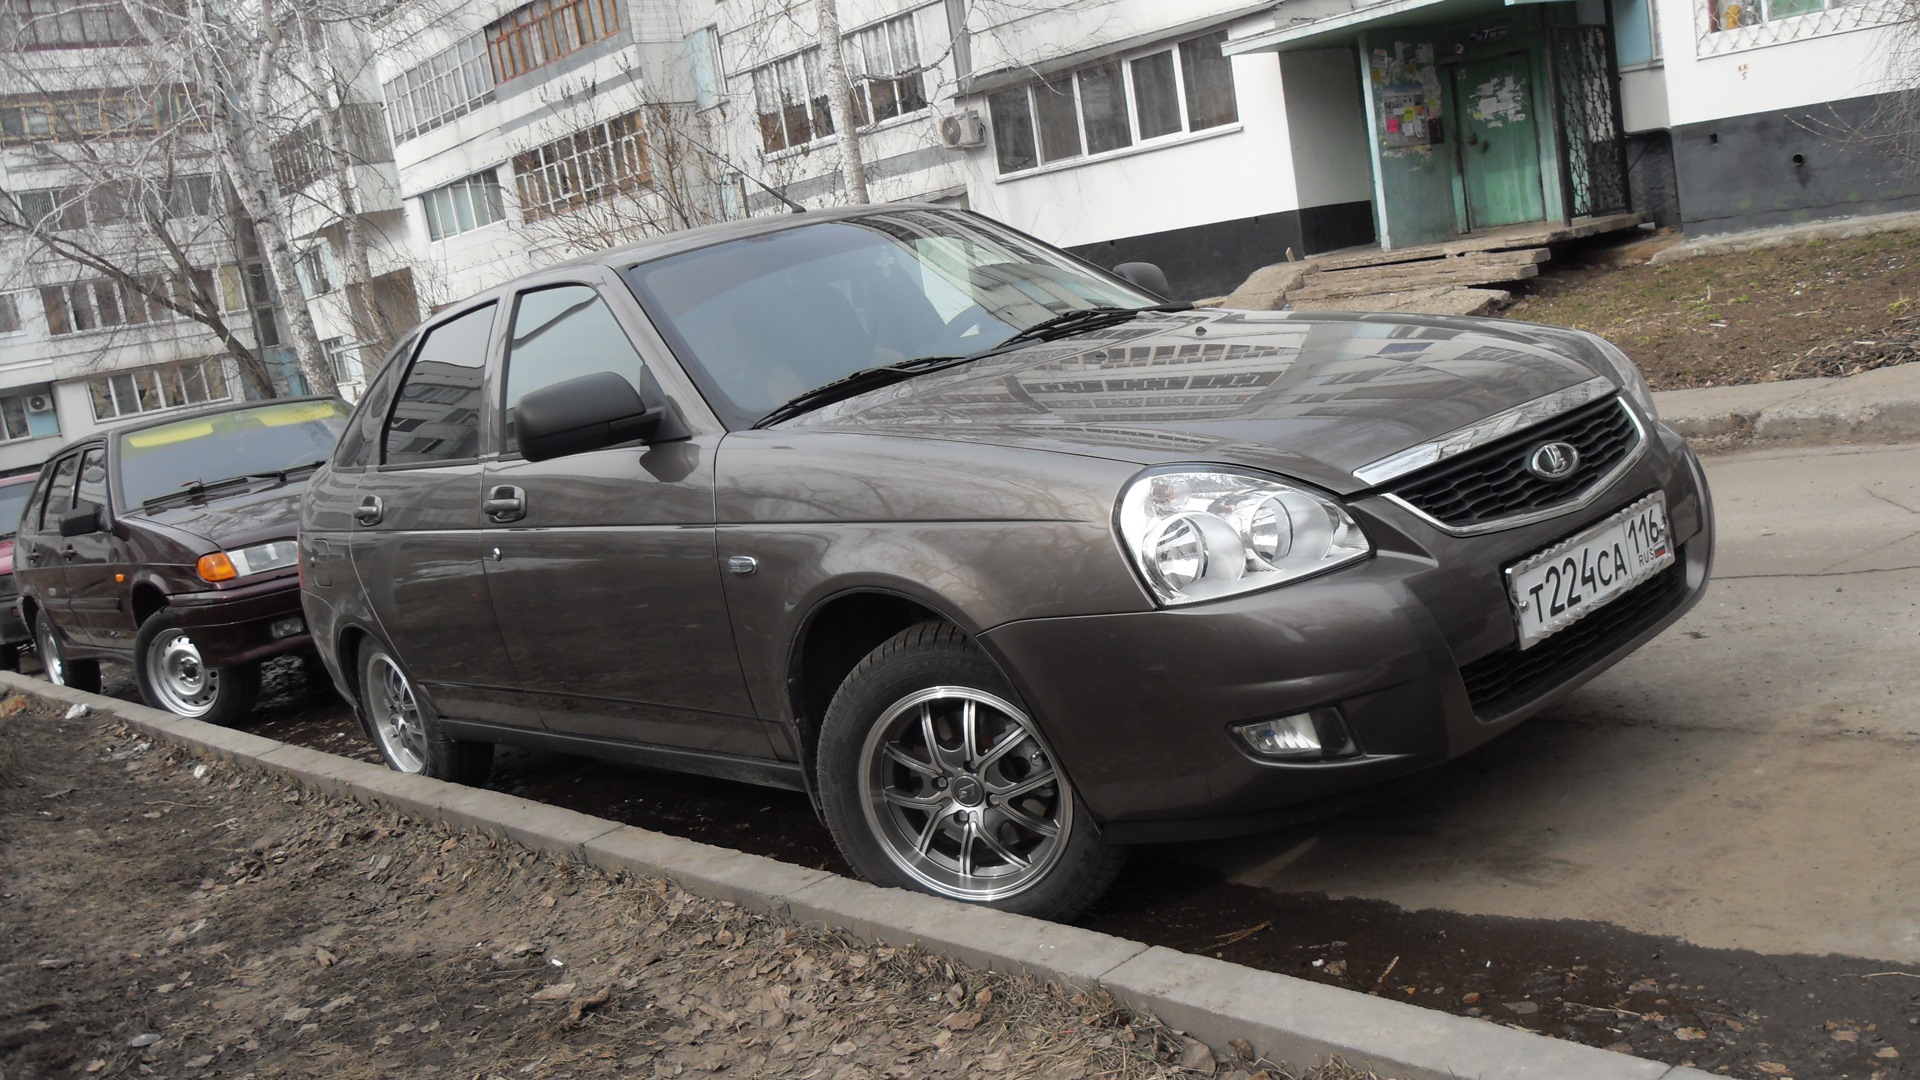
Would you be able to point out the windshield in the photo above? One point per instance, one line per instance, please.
(760, 320)
(219, 446)
(13, 503)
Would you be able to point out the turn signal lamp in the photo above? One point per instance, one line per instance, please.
(217, 567)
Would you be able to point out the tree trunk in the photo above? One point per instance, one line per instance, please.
(853, 167)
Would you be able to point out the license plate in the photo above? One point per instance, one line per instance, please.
(1561, 585)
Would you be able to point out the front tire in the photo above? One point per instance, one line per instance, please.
(407, 730)
(934, 777)
(173, 677)
(78, 674)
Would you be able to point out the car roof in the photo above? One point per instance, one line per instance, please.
(655, 247)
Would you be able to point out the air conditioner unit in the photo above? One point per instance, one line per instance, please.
(962, 130)
(39, 403)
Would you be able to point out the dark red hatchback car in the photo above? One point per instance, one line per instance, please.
(169, 545)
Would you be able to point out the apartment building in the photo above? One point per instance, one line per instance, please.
(81, 347)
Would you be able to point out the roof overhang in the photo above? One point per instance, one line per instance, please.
(1312, 24)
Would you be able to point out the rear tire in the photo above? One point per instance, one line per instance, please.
(173, 677)
(408, 731)
(78, 674)
(934, 777)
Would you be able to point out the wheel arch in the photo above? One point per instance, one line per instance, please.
(146, 599)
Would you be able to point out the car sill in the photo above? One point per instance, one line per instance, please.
(763, 771)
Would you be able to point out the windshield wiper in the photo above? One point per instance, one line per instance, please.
(859, 383)
(282, 474)
(195, 487)
(1079, 319)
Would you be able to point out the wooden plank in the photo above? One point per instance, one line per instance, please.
(1516, 236)
(1329, 286)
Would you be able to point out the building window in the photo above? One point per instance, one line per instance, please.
(9, 315)
(703, 60)
(63, 24)
(790, 97)
(464, 205)
(884, 63)
(587, 166)
(90, 114)
(13, 415)
(96, 305)
(115, 203)
(317, 271)
(343, 360)
(166, 386)
(1733, 14)
(1114, 104)
(546, 30)
(449, 85)
(303, 156)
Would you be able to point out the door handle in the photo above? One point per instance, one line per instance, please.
(33, 557)
(71, 553)
(505, 503)
(370, 510)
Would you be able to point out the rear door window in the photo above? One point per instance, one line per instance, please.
(558, 334)
(59, 498)
(436, 413)
(93, 477)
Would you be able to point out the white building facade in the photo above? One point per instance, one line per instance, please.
(1212, 137)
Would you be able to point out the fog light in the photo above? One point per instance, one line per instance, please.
(1314, 735)
(287, 627)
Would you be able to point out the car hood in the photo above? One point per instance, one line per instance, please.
(1314, 396)
(230, 518)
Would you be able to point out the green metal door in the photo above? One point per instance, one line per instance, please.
(1499, 143)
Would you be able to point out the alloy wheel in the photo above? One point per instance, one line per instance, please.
(963, 795)
(183, 682)
(397, 720)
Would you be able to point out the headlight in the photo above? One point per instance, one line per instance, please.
(252, 559)
(1200, 534)
(1628, 373)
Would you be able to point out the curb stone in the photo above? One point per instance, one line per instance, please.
(1878, 406)
(1284, 1018)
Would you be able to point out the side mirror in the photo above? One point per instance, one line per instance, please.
(1147, 276)
(81, 520)
(593, 412)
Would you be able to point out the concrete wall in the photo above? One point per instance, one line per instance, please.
(1784, 167)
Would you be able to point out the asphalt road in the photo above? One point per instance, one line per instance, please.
(1707, 855)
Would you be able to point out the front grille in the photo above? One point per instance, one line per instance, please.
(1492, 483)
(1499, 683)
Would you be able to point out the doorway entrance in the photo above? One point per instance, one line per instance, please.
(1499, 145)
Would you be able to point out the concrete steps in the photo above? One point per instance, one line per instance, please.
(1448, 278)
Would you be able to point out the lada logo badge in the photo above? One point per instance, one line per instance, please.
(1553, 461)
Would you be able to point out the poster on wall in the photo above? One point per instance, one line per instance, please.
(1406, 93)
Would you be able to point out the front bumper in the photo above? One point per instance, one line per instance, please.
(1138, 705)
(234, 625)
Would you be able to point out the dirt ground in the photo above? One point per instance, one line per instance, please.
(166, 916)
(1831, 307)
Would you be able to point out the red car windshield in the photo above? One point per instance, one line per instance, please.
(201, 451)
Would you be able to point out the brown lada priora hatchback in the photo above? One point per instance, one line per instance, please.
(169, 544)
(1002, 559)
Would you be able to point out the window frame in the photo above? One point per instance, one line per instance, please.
(1124, 64)
(544, 32)
(446, 82)
(415, 345)
(481, 190)
(10, 313)
(178, 395)
(565, 174)
(862, 78)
